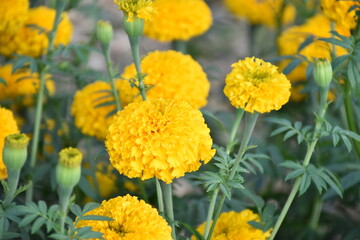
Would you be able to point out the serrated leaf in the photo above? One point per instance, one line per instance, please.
(52, 210)
(304, 184)
(352, 73)
(257, 164)
(291, 164)
(336, 42)
(353, 135)
(294, 174)
(249, 167)
(225, 190)
(332, 183)
(28, 219)
(42, 207)
(281, 121)
(289, 134)
(347, 142)
(90, 206)
(95, 218)
(255, 224)
(37, 224)
(279, 130)
(292, 65)
(75, 209)
(336, 139)
(10, 235)
(259, 202)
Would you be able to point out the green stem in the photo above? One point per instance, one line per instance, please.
(314, 221)
(350, 116)
(250, 121)
(134, 43)
(211, 212)
(159, 197)
(13, 180)
(64, 198)
(179, 46)
(106, 53)
(169, 208)
(238, 116)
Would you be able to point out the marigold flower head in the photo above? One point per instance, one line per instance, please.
(338, 11)
(8, 126)
(142, 9)
(172, 75)
(255, 85)
(133, 220)
(12, 15)
(260, 12)
(31, 41)
(178, 20)
(160, 138)
(234, 225)
(21, 83)
(93, 120)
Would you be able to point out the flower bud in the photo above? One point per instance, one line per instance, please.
(135, 27)
(322, 72)
(15, 151)
(68, 169)
(104, 32)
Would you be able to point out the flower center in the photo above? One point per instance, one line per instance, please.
(256, 76)
(118, 228)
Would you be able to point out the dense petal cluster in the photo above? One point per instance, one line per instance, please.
(291, 39)
(8, 126)
(13, 14)
(21, 83)
(136, 8)
(31, 39)
(338, 11)
(260, 12)
(178, 20)
(160, 138)
(133, 220)
(255, 85)
(234, 225)
(91, 118)
(173, 75)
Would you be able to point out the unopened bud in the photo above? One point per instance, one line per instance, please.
(68, 169)
(322, 72)
(104, 32)
(15, 151)
(133, 27)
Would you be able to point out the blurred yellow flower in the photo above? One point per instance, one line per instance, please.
(133, 220)
(13, 14)
(338, 11)
(7, 126)
(173, 75)
(234, 225)
(160, 138)
(93, 120)
(136, 8)
(261, 12)
(255, 85)
(33, 41)
(178, 20)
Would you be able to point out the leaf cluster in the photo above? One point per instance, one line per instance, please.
(302, 133)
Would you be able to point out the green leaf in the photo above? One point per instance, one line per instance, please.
(281, 121)
(108, 103)
(291, 164)
(307, 42)
(294, 174)
(289, 134)
(210, 116)
(2, 81)
(347, 142)
(59, 236)
(19, 63)
(292, 65)
(42, 207)
(90, 206)
(10, 235)
(336, 42)
(75, 209)
(352, 73)
(304, 184)
(37, 224)
(334, 184)
(95, 218)
(194, 232)
(279, 130)
(28, 219)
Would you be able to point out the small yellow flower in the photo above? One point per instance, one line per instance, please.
(172, 75)
(255, 85)
(133, 220)
(8, 126)
(233, 225)
(338, 11)
(178, 20)
(136, 8)
(160, 138)
(13, 14)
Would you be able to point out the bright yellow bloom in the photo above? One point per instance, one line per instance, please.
(160, 138)
(173, 75)
(234, 226)
(338, 11)
(92, 120)
(133, 220)
(136, 8)
(7, 126)
(178, 20)
(291, 39)
(260, 12)
(34, 42)
(255, 85)
(21, 83)
(12, 15)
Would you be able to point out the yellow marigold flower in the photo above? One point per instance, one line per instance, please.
(133, 220)
(8, 126)
(178, 20)
(21, 83)
(233, 225)
(92, 120)
(12, 15)
(31, 41)
(173, 75)
(260, 12)
(160, 138)
(136, 8)
(255, 85)
(338, 11)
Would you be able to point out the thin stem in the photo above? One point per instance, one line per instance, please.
(216, 216)
(211, 212)
(169, 208)
(314, 221)
(64, 198)
(13, 180)
(179, 46)
(238, 116)
(159, 197)
(106, 52)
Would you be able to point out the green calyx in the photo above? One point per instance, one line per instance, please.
(15, 151)
(104, 32)
(323, 72)
(67, 177)
(134, 28)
